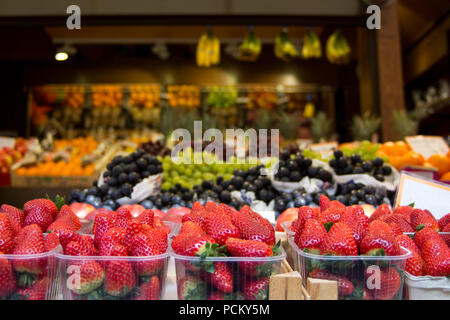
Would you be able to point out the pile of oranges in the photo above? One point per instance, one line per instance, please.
(78, 148)
(400, 155)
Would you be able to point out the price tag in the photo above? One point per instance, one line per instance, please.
(428, 145)
(7, 142)
(424, 193)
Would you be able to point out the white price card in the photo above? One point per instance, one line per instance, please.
(428, 145)
(424, 194)
(7, 142)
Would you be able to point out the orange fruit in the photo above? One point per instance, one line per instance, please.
(445, 176)
(441, 162)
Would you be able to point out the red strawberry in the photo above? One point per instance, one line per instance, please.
(40, 204)
(399, 220)
(304, 213)
(332, 214)
(40, 212)
(66, 221)
(159, 238)
(65, 233)
(345, 286)
(404, 211)
(324, 202)
(16, 217)
(115, 235)
(159, 224)
(191, 227)
(36, 292)
(311, 237)
(123, 216)
(118, 250)
(143, 246)
(32, 243)
(220, 227)
(91, 276)
(221, 277)
(210, 206)
(187, 244)
(443, 222)
(6, 234)
(146, 217)
(446, 236)
(66, 211)
(424, 235)
(75, 248)
(339, 241)
(256, 289)
(7, 278)
(436, 256)
(26, 232)
(148, 290)
(120, 278)
(102, 223)
(191, 288)
(253, 215)
(195, 218)
(51, 242)
(420, 219)
(251, 248)
(197, 206)
(389, 283)
(381, 211)
(134, 227)
(414, 264)
(379, 240)
(252, 229)
(395, 229)
(406, 242)
(357, 221)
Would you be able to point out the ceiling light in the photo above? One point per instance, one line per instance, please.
(63, 53)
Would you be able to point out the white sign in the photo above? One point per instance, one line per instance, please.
(428, 145)
(425, 194)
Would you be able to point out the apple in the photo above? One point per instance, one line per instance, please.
(81, 209)
(289, 214)
(91, 215)
(135, 209)
(368, 209)
(158, 213)
(175, 214)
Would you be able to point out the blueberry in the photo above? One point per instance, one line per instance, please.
(355, 158)
(116, 160)
(360, 193)
(219, 180)
(348, 170)
(126, 189)
(386, 170)
(292, 165)
(110, 165)
(343, 199)
(112, 181)
(145, 174)
(366, 166)
(152, 169)
(341, 163)
(324, 175)
(312, 172)
(117, 170)
(207, 185)
(158, 203)
(250, 178)
(254, 171)
(265, 181)
(251, 187)
(130, 167)
(337, 154)
(258, 184)
(97, 203)
(74, 194)
(127, 159)
(90, 199)
(176, 199)
(123, 177)
(290, 204)
(225, 196)
(379, 177)
(107, 173)
(237, 182)
(377, 162)
(141, 163)
(285, 155)
(262, 195)
(370, 199)
(217, 189)
(226, 183)
(283, 172)
(280, 205)
(117, 194)
(353, 200)
(287, 197)
(147, 204)
(187, 196)
(300, 202)
(358, 170)
(165, 198)
(133, 178)
(295, 176)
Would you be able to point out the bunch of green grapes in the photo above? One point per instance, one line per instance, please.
(314, 155)
(192, 168)
(366, 150)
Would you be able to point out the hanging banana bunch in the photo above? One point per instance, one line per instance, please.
(250, 49)
(284, 48)
(311, 47)
(208, 50)
(337, 49)
(309, 107)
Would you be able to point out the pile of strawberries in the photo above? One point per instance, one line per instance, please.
(23, 233)
(221, 231)
(117, 233)
(337, 230)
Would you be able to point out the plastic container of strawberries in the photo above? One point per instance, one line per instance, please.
(28, 277)
(250, 276)
(354, 268)
(111, 278)
(287, 228)
(427, 287)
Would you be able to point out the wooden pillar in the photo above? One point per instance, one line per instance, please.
(390, 73)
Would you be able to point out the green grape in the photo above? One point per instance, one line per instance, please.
(166, 185)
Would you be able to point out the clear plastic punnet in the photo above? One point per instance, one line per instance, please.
(225, 278)
(28, 277)
(357, 277)
(111, 278)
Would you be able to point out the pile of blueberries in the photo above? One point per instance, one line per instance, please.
(355, 165)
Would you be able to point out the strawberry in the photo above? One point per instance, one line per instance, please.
(446, 236)
(159, 224)
(7, 278)
(389, 283)
(26, 232)
(191, 227)
(443, 222)
(406, 242)
(40, 212)
(398, 219)
(123, 216)
(210, 206)
(345, 286)
(404, 211)
(115, 235)
(395, 229)
(143, 246)
(32, 243)
(51, 242)
(120, 278)
(65, 221)
(251, 228)
(304, 213)
(187, 244)
(379, 240)
(159, 238)
(36, 292)
(16, 217)
(420, 219)
(102, 223)
(331, 214)
(146, 217)
(41, 204)
(339, 241)
(91, 276)
(253, 215)
(196, 207)
(250, 248)
(66, 211)
(134, 227)
(195, 218)
(256, 289)
(220, 227)
(191, 288)
(148, 290)
(436, 256)
(424, 235)
(381, 211)
(118, 250)
(221, 277)
(357, 221)
(65, 233)
(324, 202)
(311, 237)
(6, 234)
